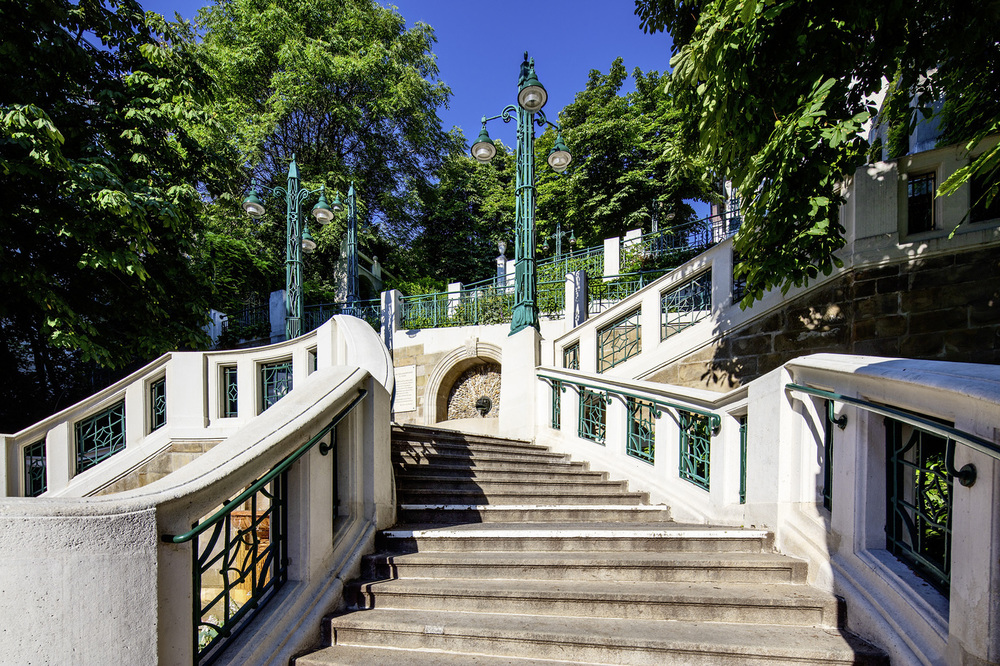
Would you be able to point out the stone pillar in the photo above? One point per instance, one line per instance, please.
(518, 385)
(576, 298)
(454, 297)
(392, 316)
(8, 476)
(186, 392)
(612, 256)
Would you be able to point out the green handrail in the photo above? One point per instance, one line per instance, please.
(714, 420)
(966, 475)
(264, 480)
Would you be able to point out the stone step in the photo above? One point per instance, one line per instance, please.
(763, 568)
(518, 495)
(425, 433)
(497, 446)
(449, 464)
(597, 640)
(773, 604)
(528, 474)
(453, 456)
(345, 655)
(452, 514)
(573, 537)
(408, 482)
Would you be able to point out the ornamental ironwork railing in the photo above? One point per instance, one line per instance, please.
(743, 459)
(242, 560)
(619, 341)
(100, 436)
(158, 404)
(314, 316)
(35, 467)
(481, 303)
(641, 429)
(590, 259)
(275, 382)
(251, 322)
(672, 246)
(556, 406)
(695, 449)
(686, 305)
(920, 469)
(230, 392)
(604, 292)
(571, 356)
(697, 425)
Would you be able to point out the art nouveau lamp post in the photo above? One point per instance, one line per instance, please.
(296, 241)
(558, 235)
(531, 97)
(352, 249)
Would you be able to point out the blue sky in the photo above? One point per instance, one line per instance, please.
(480, 47)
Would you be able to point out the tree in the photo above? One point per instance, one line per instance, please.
(347, 89)
(628, 161)
(778, 93)
(101, 172)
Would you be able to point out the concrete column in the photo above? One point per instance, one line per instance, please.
(187, 392)
(454, 297)
(518, 385)
(59, 456)
(136, 412)
(612, 256)
(576, 298)
(8, 469)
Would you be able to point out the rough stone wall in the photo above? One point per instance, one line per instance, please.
(941, 308)
(473, 384)
(414, 355)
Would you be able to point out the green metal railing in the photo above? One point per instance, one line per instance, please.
(100, 436)
(605, 292)
(158, 404)
(828, 423)
(571, 356)
(590, 259)
(695, 449)
(686, 305)
(275, 382)
(641, 429)
(245, 551)
(619, 341)
(35, 466)
(556, 406)
(230, 392)
(672, 246)
(592, 420)
(743, 459)
(920, 468)
(314, 316)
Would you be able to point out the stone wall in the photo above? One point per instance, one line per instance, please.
(945, 307)
(414, 355)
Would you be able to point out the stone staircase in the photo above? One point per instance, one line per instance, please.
(507, 553)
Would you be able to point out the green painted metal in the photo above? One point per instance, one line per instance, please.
(605, 292)
(952, 435)
(571, 356)
(714, 420)
(743, 459)
(318, 314)
(592, 420)
(919, 500)
(695, 449)
(590, 259)
(641, 429)
(230, 392)
(672, 246)
(275, 382)
(235, 551)
(100, 436)
(35, 464)
(556, 405)
(352, 247)
(829, 422)
(294, 299)
(619, 341)
(686, 305)
(158, 404)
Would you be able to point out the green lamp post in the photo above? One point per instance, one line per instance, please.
(558, 235)
(297, 238)
(531, 97)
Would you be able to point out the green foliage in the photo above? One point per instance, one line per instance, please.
(103, 179)
(630, 161)
(777, 93)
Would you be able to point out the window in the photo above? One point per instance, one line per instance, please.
(230, 392)
(593, 413)
(100, 436)
(739, 283)
(275, 382)
(619, 341)
(978, 210)
(920, 202)
(157, 404)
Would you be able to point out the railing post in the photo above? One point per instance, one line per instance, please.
(276, 314)
(392, 316)
(612, 256)
(454, 297)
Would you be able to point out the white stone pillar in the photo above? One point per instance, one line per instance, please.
(276, 311)
(576, 298)
(454, 297)
(518, 385)
(612, 256)
(392, 316)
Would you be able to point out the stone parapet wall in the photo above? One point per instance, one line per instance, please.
(945, 307)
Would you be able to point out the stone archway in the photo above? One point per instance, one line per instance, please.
(450, 369)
